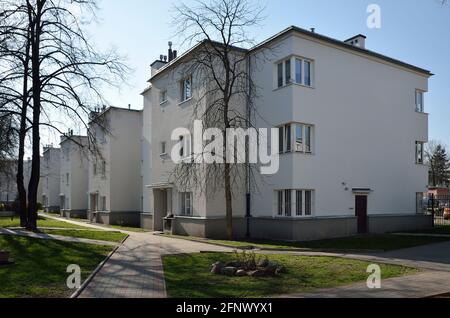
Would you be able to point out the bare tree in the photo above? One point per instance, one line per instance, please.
(66, 74)
(219, 67)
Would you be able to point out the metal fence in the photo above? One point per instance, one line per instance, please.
(439, 207)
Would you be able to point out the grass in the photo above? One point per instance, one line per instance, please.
(40, 266)
(42, 222)
(90, 234)
(438, 230)
(382, 242)
(188, 276)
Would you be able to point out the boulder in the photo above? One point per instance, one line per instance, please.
(270, 270)
(241, 273)
(280, 270)
(229, 271)
(217, 268)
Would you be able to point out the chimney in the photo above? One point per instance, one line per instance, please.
(313, 30)
(175, 54)
(357, 41)
(170, 52)
(129, 106)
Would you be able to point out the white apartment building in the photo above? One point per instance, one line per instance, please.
(74, 176)
(50, 179)
(115, 191)
(352, 126)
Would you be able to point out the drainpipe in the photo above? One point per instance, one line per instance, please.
(248, 174)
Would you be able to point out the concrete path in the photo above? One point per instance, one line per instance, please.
(423, 285)
(54, 237)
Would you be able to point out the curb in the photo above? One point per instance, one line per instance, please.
(78, 292)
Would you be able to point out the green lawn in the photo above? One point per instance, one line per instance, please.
(382, 242)
(90, 234)
(40, 268)
(443, 229)
(188, 276)
(42, 222)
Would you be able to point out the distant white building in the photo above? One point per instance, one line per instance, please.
(115, 191)
(74, 176)
(352, 127)
(50, 177)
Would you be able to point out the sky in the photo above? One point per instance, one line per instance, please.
(416, 32)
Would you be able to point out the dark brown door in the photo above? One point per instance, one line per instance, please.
(361, 213)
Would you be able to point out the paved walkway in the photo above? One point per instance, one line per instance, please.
(54, 237)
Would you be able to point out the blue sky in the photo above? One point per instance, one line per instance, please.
(416, 32)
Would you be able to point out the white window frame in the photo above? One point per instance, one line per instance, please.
(185, 93)
(186, 148)
(186, 206)
(420, 101)
(288, 138)
(288, 207)
(420, 152)
(289, 72)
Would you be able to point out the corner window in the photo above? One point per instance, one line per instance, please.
(186, 89)
(420, 105)
(296, 138)
(186, 148)
(420, 152)
(163, 97)
(294, 70)
(186, 203)
(301, 200)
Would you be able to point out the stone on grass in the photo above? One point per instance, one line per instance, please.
(217, 268)
(241, 273)
(280, 270)
(263, 263)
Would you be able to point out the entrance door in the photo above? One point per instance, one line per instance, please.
(361, 213)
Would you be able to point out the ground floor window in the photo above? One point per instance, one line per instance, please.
(186, 203)
(299, 201)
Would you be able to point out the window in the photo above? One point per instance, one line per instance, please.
(288, 139)
(94, 168)
(296, 137)
(280, 203)
(163, 97)
(185, 149)
(163, 148)
(287, 203)
(67, 179)
(186, 89)
(419, 152)
(303, 204)
(308, 203)
(287, 71)
(103, 168)
(67, 204)
(307, 73)
(186, 203)
(420, 107)
(299, 203)
(298, 70)
(280, 74)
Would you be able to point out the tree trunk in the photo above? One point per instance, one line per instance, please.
(228, 202)
(36, 159)
(22, 135)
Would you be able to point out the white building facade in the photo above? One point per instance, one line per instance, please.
(115, 191)
(74, 176)
(50, 178)
(352, 127)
